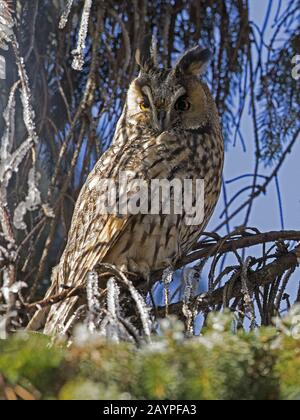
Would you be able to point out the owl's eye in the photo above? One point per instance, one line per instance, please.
(144, 105)
(182, 104)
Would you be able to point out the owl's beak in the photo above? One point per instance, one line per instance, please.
(161, 120)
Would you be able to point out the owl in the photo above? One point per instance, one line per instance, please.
(169, 129)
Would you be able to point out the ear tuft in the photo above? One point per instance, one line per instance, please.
(146, 54)
(194, 61)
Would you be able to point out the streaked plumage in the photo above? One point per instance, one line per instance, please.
(158, 138)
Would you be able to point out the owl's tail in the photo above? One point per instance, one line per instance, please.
(58, 319)
(38, 320)
(53, 320)
(61, 317)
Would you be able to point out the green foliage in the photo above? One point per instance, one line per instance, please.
(28, 358)
(221, 364)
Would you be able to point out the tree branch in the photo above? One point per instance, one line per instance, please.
(203, 250)
(262, 277)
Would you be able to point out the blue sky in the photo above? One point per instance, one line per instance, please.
(265, 214)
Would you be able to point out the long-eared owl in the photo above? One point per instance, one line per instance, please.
(169, 129)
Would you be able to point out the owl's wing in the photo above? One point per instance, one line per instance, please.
(91, 236)
(77, 261)
(72, 271)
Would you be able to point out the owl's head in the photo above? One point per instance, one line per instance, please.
(163, 99)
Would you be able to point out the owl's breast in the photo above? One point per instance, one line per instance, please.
(152, 242)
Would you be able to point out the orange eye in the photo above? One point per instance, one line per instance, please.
(144, 105)
(182, 104)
